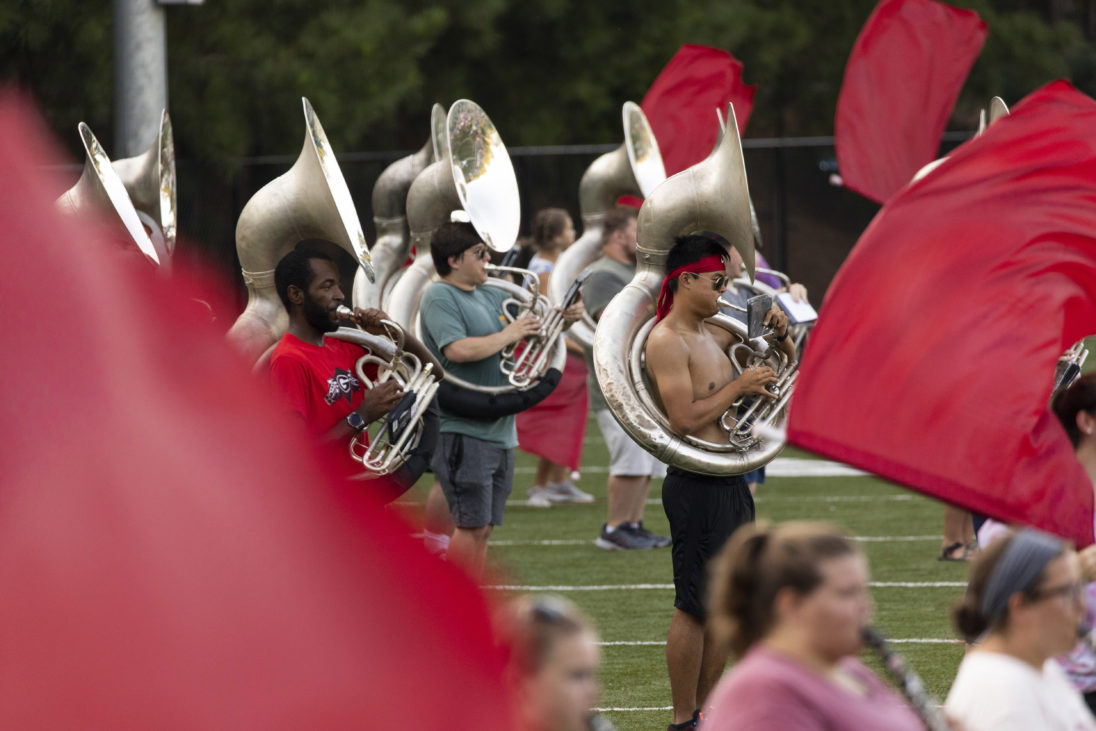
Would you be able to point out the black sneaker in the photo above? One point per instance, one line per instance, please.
(687, 725)
(623, 538)
(656, 541)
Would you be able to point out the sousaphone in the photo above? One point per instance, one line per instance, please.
(310, 200)
(140, 190)
(476, 179)
(393, 243)
(709, 196)
(634, 168)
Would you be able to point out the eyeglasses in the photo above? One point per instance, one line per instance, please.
(719, 282)
(479, 252)
(1074, 592)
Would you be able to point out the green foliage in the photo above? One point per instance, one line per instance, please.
(551, 72)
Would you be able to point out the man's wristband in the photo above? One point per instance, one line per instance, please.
(782, 338)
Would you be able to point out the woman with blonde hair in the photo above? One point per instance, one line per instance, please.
(791, 601)
(554, 661)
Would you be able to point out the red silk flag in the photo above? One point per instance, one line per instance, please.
(934, 354)
(682, 102)
(901, 82)
(171, 557)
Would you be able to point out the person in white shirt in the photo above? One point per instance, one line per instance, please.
(1024, 607)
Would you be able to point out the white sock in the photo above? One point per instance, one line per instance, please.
(435, 543)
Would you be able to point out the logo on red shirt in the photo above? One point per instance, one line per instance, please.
(341, 385)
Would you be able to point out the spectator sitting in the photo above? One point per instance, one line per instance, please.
(791, 601)
(1025, 601)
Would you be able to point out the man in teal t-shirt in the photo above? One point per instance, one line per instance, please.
(463, 325)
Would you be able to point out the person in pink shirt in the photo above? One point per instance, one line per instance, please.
(791, 601)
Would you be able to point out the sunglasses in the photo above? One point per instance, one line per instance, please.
(1073, 592)
(718, 282)
(479, 252)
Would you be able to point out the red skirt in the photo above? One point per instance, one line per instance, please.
(554, 428)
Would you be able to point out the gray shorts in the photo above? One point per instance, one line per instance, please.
(476, 478)
(626, 458)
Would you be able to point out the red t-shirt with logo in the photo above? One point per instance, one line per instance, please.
(318, 383)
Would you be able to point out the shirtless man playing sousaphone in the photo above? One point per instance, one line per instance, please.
(693, 381)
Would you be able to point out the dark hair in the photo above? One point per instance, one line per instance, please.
(533, 625)
(759, 561)
(1081, 396)
(616, 219)
(451, 239)
(967, 613)
(547, 225)
(694, 247)
(295, 267)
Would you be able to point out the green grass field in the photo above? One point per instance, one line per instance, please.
(630, 594)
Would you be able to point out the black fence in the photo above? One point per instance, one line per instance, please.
(808, 225)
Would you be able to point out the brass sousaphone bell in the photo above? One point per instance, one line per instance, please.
(310, 200)
(140, 190)
(393, 243)
(634, 168)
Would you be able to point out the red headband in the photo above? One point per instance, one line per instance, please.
(710, 263)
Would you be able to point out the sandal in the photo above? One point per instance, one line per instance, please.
(948, 553)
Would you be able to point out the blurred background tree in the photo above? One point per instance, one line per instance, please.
(548, 73)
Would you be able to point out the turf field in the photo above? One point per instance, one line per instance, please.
(630, 594)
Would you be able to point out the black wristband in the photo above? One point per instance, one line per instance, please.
(782, 338)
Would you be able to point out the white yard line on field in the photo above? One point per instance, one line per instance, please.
(779, 467)
(894, 641)
(589, 541)
(666, 587)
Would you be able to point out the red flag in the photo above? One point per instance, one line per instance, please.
(682, 102)
(934, 354)
(901, 82)
(170, 556)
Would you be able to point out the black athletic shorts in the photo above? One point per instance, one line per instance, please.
(703, 512)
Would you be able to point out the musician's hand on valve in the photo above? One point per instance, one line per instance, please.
(370, 320)
(379, 400)
(753, 380)
(522, 327)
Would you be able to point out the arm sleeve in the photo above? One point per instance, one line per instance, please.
(442, 320)
(598, 289)
(290, 381)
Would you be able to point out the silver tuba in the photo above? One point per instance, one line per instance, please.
(310, 200)
(141, 190)
(475, 176)
(712, 195)
(393, 242)
(634, 168)
(393, 438)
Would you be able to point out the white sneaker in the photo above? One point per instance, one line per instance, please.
(539, 497)
(566, 492)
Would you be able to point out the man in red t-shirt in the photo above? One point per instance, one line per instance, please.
(316, 376)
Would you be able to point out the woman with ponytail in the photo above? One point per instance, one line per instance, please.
(1024, 607)
(791, 602)
(554, 429)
